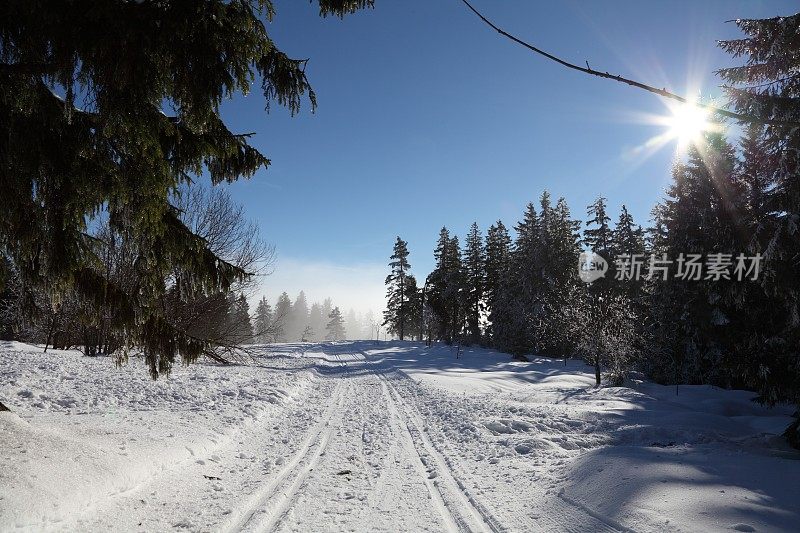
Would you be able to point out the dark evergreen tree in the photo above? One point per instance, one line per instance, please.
(242, 327)
(445, 290)
(396, 316)
(693, 326)
(454, 293)
(768, 86)
(474, 282)
(436, 285)
(498, 257)
(515, 304)
(628, 248)
(599, 236)
(150, 78)
(414, 302)
(560, 275)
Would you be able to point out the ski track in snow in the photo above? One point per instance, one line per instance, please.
(470, 517)
(387, 437)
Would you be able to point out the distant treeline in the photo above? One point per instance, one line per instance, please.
(298, 322)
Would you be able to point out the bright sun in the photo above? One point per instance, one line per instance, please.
(687, 123)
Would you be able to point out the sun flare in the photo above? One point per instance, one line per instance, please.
(688, 123)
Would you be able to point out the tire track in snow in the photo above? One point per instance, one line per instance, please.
(471, 515)
(265, 508)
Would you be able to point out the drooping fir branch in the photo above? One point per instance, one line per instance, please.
(741, 117)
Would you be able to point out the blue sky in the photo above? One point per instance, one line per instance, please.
(427, 118)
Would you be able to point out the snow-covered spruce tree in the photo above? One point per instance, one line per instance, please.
(475, 280)
(498, 257)
(610, 329)
(335, 326)
(768, 86)
(396, 316)
(697, 321)
(606, 334)
(531, 310)
(150, 78)
(262, 322)
(559, 277)
(455, 292)
(283, 307)
(516, 297)
(628, 240)
(445, 289)
(598, 235)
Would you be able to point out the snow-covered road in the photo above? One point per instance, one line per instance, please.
(388, 437)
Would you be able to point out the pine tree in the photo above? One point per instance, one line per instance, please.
(498, 257)
(474, 282)
(628, 246)
(121, 153)
(598, 238)
(335, 326)
(414, 302)
(766, 87)
(561, 280)
(443, 309)
(298, 317)
(282, 309)
(262, 327)
(515, 304)
(692, 318)
(242, 327)
(437, 286)
(454, 290)
(396, 315)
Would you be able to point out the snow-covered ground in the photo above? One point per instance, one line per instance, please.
(387, 437)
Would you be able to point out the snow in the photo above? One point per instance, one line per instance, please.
(381, 437)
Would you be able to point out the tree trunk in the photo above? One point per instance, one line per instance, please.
(50, 333)
(597, 371)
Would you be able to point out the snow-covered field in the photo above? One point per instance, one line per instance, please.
(388, 437)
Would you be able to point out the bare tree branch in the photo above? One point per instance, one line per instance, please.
(660, 92)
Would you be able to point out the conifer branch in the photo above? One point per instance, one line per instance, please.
(633, 83)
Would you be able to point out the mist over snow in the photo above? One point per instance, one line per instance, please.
(357, 286)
